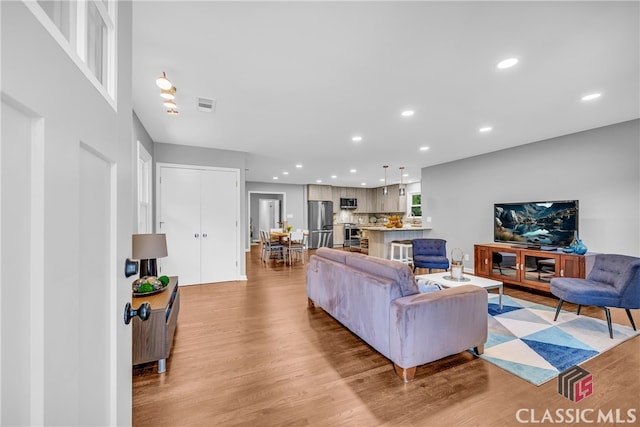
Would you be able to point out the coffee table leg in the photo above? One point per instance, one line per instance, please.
(500, 291)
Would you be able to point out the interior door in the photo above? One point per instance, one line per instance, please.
(198, 211)
(63, 365)
(179, 219)
(219, 225)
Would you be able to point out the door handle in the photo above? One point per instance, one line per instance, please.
(196, 235)
(204, 234)
(142, 312)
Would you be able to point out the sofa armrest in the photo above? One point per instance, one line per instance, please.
(428, 327)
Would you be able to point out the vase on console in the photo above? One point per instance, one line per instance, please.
(580, 248)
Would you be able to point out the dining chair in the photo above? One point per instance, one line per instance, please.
(296, 247)
(269, 247)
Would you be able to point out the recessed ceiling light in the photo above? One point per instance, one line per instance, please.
(405, 175)
(485, 129)
(381, 180)
(425, 148)
(285, 173)
(275, 177)
(407, 113)
(298, 166)
(334, 176)
(318, 181)
(353, 171)
(356, 139)
(591, 96)
(363, 183)
(507, 63)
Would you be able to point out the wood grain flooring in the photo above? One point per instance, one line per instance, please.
(251, 353)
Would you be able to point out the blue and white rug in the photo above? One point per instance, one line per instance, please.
(524, 340)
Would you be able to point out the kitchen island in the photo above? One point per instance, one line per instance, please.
(380, 238)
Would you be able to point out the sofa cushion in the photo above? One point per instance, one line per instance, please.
(394, 270)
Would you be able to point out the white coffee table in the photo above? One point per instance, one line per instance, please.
(440, 279)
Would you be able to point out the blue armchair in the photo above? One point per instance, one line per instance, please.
(614, 281)
(430, 253)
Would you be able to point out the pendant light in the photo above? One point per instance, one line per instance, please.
(385, 190)
(402, 190)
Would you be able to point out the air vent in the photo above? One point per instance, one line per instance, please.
(206, 105)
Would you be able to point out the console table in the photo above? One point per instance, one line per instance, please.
(532, 268)
(153, 338)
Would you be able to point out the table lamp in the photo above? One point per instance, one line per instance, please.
(147, 248)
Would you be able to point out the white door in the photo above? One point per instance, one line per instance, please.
(198, 210)
(66, 217)
(62, 343)
(219, 219)
(179, 219)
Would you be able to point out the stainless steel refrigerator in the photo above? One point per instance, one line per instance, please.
(320, 224)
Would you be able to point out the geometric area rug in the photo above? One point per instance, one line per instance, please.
(525, 341)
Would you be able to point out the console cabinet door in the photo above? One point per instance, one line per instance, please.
(481, 261)
(539, 267)
(505, 264)
(572, 266)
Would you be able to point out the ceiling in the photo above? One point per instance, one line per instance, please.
(294, 82)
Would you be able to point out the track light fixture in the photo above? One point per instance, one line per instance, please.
(168, 94)
(163, 82)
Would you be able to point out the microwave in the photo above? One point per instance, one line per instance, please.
(348, 203)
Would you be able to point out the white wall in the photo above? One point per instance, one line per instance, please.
(599, 167)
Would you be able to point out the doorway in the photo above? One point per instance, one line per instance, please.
(254, 216)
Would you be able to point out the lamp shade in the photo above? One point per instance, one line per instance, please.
(148, 246)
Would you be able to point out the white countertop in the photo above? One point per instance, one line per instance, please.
(407, 228)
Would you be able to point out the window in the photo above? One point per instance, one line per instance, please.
(144, 190)
(86, 30)
(416, 204)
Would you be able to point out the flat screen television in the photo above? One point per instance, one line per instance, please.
(546, 225)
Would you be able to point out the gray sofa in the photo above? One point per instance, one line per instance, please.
(379, 301)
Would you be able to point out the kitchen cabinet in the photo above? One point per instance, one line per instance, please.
(338, 235)
(363, 204)
(532, 268)
(390, 203)
(319, 192)
(370, 200)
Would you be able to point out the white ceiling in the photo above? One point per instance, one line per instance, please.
(295, 81)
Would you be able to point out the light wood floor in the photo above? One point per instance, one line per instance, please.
(252, 353)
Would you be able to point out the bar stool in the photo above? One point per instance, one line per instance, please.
(404, 247)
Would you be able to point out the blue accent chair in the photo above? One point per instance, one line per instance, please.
(614, 281)
(430, 253)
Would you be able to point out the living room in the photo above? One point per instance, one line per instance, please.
(68, 183)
